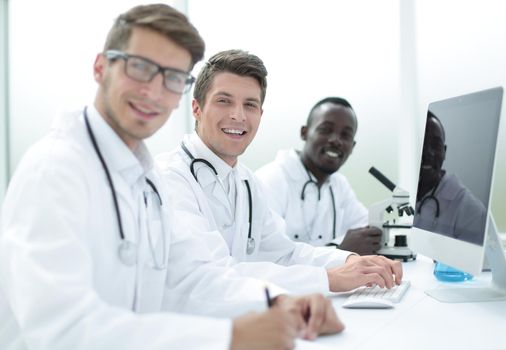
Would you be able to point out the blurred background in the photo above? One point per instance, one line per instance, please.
(389, 58)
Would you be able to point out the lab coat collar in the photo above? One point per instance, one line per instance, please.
(132, 165)
(449, 187)
(291, 162)
(200, 150)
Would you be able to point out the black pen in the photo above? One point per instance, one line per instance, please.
(268, 297)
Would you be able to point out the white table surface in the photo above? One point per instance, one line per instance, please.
(419, 321)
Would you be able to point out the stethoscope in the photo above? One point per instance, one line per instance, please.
(250, 245)
(127, 250)
(302, 197)
(432, 196)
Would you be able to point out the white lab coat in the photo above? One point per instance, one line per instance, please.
(310, 220)
(62, 285)
(204, 209)
(461, 214)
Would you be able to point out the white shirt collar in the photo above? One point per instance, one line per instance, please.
(132, 165)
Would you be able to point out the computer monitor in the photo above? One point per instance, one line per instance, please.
(452, 221)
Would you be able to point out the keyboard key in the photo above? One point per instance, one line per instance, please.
(368, 294)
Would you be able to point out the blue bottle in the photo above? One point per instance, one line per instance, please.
(447, 273)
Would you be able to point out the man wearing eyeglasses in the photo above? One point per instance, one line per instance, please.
(87, 251)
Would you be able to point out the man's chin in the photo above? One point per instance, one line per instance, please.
(329, 170)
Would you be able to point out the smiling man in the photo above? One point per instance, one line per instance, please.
(305, 188)
(219, 199)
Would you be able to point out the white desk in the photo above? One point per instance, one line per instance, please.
(420, 322)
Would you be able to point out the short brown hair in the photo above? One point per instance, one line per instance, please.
(162, 19)
(233, 61)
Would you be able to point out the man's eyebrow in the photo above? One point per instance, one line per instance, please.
(223, 93)
(253, 99)
(227, 94)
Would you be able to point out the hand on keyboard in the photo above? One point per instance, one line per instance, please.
(364, 271)
(376, 297)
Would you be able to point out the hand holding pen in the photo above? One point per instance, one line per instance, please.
(316, 312)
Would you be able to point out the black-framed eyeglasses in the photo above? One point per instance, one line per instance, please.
(144, 70)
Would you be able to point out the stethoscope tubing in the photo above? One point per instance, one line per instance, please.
(107, 174)
(432, 196)
(125, 250)
(302, 197)
(194, 161)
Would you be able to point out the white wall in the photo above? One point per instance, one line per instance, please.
(3, 100)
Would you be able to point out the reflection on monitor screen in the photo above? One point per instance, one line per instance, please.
(444, 203)
(455, 179)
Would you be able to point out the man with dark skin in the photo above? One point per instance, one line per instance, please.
(305, 188)
(443, 204)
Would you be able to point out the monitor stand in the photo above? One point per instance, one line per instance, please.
(497, 289)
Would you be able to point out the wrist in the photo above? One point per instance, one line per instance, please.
(352, 257)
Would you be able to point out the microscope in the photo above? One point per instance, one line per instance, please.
(384, 215)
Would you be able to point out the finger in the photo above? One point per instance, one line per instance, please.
(395, 268)
(374, 232)
(293, 322)
(373, 279)
(386, 278)
(397, 271)
(287, 342)
(317, 311)
(296, 313)
(386, 273)
(332, 323)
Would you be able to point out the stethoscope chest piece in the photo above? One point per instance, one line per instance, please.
(250, 245)
(127, 253)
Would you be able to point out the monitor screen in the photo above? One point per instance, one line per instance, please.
(455, 179)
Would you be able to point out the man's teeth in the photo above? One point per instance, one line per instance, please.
(233, 131)
(144, 110)
(332, 154)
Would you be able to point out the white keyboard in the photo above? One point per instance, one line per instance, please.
(376, 297)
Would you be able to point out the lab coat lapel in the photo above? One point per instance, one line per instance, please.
(241, 219)
(219, 195)
(127, 206)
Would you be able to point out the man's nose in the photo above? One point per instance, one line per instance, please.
(334, 138)
(154, 89)
(238, 113)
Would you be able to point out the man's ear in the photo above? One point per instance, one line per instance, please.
(99, 68)
(444, 154)
(353, 147)
(196, 110)
(197, 113)
(303, 133)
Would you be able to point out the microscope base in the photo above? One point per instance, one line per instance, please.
(397, 253)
